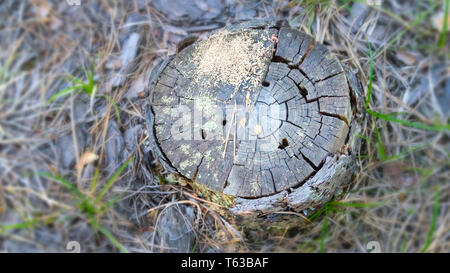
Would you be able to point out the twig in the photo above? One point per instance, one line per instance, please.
(229, 130)
(235, 132)
(2, 198)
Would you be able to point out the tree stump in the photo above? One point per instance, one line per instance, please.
(258, 118)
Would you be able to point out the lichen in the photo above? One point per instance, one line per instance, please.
(185, 148)
(210, 126)
(208, 156)
(166, 99)
(185, 164)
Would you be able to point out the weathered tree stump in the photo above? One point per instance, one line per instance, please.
(258, 117)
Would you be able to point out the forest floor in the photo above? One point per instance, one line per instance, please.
(74, 165)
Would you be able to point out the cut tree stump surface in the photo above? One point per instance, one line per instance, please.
(251, 126)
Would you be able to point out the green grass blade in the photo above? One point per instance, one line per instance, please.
(86, 87)
(112, 202)
(323, 232)
(90, 76)
(89, 85)
(316, 214)
(66, 184)
(404, 153)
(84, 203)
(64, 92)
(94, 181)
(356, 205)
(22, 225)
(443, 36)
(390, 117)
(433, 220)
(365, 138)
(380, 145)
(112, 239)
(76, 80)
(437, 127)
(369, 86)
(115, 107)
(112, 180)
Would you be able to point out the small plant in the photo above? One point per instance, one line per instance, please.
(92, 205)
(87, 87)
(335, 207)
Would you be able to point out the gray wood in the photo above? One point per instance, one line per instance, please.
(302, 106)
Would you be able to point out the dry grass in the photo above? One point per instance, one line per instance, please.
(400, 197)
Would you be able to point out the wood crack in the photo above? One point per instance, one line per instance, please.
(275, 151)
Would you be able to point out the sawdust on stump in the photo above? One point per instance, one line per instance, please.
(231, 58)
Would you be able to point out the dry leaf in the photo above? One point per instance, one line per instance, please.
(86, 158)
(438, 21)
(42, 8)
(406, 57)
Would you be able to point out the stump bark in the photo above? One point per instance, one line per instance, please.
(258, 117)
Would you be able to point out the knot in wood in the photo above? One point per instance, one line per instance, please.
(251, 112)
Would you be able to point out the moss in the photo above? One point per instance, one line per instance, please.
(170, 179)
(213, 196)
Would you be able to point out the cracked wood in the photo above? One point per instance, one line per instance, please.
(288, 124)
